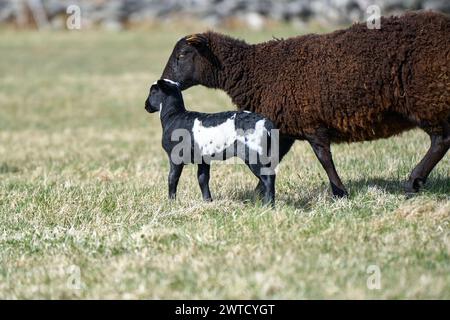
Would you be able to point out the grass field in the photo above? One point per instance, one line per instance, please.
(83, 196)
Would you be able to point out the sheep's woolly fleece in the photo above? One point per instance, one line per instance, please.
(359, 84)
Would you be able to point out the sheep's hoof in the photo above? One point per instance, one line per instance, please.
(338, 192)
(207, 199)
(413, 186)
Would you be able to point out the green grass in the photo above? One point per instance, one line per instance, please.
(83, 195)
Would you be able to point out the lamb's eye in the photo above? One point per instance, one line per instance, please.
(181, 56)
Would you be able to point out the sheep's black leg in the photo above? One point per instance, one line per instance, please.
(174, 176)
(321, 146)
(438, 148)
(285, 144)
(203, 180)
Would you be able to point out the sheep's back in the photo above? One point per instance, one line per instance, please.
(362, 84)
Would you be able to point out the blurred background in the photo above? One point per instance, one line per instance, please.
(83, 175)
(255, 14)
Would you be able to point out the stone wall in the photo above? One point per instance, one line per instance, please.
(253, 13)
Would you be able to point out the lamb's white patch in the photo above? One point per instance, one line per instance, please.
(172, 82)
(254, 138)
(160, 110)
(211, 140)
(245, 111)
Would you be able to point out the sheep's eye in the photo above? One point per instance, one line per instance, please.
(181, 56)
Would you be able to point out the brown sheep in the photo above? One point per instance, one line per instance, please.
(351, 85)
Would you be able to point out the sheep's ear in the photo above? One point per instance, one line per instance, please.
(197, 40)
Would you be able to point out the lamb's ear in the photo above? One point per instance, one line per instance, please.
(163, 85)
(197, 40)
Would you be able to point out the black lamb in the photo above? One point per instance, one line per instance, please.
(193, 137)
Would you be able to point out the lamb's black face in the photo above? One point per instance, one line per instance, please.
(154, 99)
(187, 61)
(159, 93)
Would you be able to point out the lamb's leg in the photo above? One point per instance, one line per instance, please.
(285, 144)
(174, 177)
(259, 189)
(269, 185)
(203, 180)
(321, 146)
(267, 181)
(438, 148)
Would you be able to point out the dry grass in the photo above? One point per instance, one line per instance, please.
(83, 192)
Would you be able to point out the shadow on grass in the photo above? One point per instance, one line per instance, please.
(252, 196)
(434, 185)
(246, 196)
(6, 168)
(437, 186)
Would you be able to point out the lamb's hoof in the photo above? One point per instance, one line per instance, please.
(259, 190)
(269, 204)
(410, 194)
(207, 199)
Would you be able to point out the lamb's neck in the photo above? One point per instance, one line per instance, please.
(169, 112)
